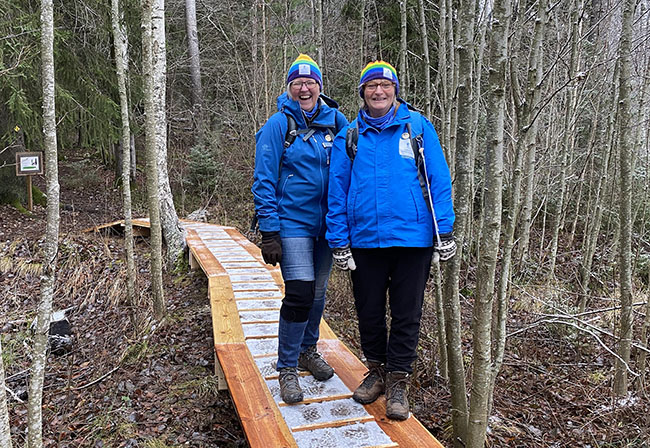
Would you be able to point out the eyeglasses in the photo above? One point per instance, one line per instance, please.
(297, 85)
(385, 85)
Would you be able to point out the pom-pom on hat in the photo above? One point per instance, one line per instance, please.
(378, 70)
(305, 67)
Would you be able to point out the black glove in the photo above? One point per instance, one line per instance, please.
(271, 247)
(446, 248)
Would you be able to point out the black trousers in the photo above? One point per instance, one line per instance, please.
(401, 272)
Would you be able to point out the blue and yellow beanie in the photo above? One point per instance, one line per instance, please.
(305, 67)
(378, 70)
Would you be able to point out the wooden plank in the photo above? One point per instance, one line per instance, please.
(335, 424)
(261, 419)
(351, 371)
(226, 327)
(255, 252)
(203, 256)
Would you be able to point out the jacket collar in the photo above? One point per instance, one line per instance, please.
(402, 114)
(326, 117)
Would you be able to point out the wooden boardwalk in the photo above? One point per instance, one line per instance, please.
(245, 296)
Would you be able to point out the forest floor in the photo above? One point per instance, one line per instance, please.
(157, 389)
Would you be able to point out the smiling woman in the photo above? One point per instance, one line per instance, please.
(290, 190)
(386, 233)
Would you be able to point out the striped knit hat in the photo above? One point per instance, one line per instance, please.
(378, 70)
(305, 67)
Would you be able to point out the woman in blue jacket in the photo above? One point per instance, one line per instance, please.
(380, 226)
(290, 192)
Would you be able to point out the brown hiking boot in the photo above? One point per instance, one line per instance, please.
(290, 390)
(373, 384)
(312, 361)
(397, 400)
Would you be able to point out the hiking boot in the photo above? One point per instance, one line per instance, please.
(290, 390)
(397, 400)
(312, 361)
(373, 384)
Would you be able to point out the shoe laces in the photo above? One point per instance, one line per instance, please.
(288, 373)
(396, 391)
(374, 374)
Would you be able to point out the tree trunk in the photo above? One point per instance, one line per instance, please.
(483, 368)
(402, 46)
(172, 229)
(5, 430)
(463, 190)
(528, 123)
(121, 56)
(195, 69)
(44, 313)
(626, 142)
(153, 196)
(427, 60)
(319, 33)
(569, 131)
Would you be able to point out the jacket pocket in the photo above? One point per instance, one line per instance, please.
(419, 215)
(283, 192)
(352, 209)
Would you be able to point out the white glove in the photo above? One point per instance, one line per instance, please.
(446, 249)
(343, 258)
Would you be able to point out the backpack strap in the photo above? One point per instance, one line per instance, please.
(351, 139)
(417, 143)
(292, 130)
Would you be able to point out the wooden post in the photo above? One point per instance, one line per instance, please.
(30, 202)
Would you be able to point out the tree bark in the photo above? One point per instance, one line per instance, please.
(402, 46)
(528, 123)
(44, 313)
(172, 229)
(195, 69)
(153, 196)
(483, 370)
(427, 60)
(121, 56)
(5, 430)
(626, 142)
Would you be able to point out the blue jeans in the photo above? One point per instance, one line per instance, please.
(305, 259)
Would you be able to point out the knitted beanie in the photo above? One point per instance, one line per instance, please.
(378, 70)
(305, 67)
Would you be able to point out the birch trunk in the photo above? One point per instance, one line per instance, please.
(463, 189)
(44, 313)
(528, 123)
(319, 33)
(195, 69)
(172, 229)
(483, 371)
(5, 430)
(427, 60)
(569, 131)
(402, 46)
(153, 195)
(121, 57)
(626, 147)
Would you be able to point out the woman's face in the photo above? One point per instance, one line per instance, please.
(305, 91)
(379, 95)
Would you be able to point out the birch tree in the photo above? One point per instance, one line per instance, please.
(195, 69)
(625, 144)
(402, 46)
(171, 226)
(121, 58)
(528, 104)
(44, 313)
(427, 59)
(462, 194)
(5, 430)
(153, 196)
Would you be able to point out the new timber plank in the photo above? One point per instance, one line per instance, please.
(255, 252)
(263, 424)
(226, 326)
(408, 433)
(203, 256)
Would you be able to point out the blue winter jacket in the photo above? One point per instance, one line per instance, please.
(290, 184)
(376, 200)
